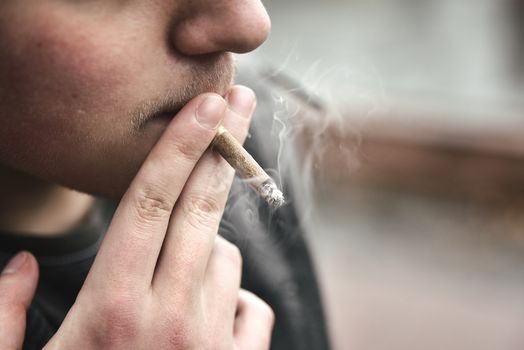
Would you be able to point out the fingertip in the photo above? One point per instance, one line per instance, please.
(210, 111)
(254, 321)
(17, 287)
(19, 278)
(22, 262)
(15, 264)
(31, 265)
(241, 100)
(22, 265)
(30, 274)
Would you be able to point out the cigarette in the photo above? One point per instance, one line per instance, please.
(247, 167)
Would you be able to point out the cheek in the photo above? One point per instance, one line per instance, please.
(58, 67)
(59, 89)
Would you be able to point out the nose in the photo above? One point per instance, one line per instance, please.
(204, 27)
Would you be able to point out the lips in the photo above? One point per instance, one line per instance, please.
(165, 115)
(166, 111)
(162, 118)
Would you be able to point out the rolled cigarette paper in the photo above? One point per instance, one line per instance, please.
(247, 167)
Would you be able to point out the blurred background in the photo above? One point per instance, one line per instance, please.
(415, 142)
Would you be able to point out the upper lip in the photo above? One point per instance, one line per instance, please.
(220, 71)
(170, 103)
(168, 109)
(171, 107)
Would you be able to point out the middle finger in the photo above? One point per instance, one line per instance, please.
(196, 217)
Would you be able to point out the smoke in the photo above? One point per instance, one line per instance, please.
(317, 123)
(311, 121)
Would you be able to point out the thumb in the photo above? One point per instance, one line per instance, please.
(17, 288)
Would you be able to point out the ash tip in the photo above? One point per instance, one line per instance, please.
(272, 195)
(276, 200)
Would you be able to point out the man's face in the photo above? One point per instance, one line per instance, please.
(88, 86)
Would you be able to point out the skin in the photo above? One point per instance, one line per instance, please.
(77, 76)
(109, 97)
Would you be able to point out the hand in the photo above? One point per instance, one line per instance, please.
(17, 288)
(162, 278)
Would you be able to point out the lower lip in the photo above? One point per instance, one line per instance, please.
(166, 116)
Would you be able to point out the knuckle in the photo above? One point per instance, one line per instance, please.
(181, 333)
(187, 149)
(119, 315)
(268, 313)
(176, 329)
(180, 338)
(201, 210)
(265, 311)
(262, 308)
(229, 251)
(209, 343)
(152, 203)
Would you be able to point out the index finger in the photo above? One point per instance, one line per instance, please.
(196, 217)
(133, 241)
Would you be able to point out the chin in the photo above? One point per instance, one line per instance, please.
(111, 190)
(107, 177)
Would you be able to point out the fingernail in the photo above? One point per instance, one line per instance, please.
(15, 263)
(241, 100)
(210, 112)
